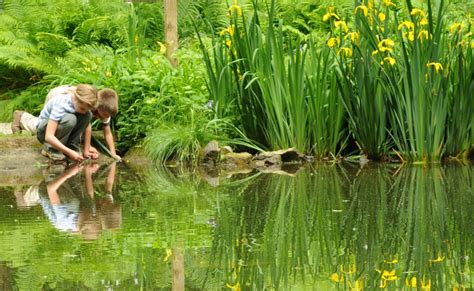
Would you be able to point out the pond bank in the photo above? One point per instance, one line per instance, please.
(21, 162)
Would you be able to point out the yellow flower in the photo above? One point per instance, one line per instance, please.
(235, 287)
(388, 3)
(391, 61)
(387, 42)
(162, 47)
(336, 278)
(354, 36)
(425, 285)
(394, 261)
(236, 8)
(455, 27)
(437, 66)
(357, 285)
(424, 21)
(342, 25)
(370, 4)
(472, 44)
(231, 30)
(408, 24)
(363, 8)
(345, 52)
(328, 16)
(382, 16)
(332, 41)
(168, 255)
(389, 275)
(108, 74)
(411, 283)
(375, 52)
(423, 34)
(417, 12)
(228, 43)
(385, 49)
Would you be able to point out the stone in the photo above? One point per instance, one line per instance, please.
(210, 153)
(235, 160)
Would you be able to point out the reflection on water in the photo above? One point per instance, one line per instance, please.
(326, 227)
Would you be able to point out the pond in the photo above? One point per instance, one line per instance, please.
(323, 227)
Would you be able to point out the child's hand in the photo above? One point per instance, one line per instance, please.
(91, 153)
(75, 156)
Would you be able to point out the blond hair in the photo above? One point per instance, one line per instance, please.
(86, 94)
(108, 101)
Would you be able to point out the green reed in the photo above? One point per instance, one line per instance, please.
(326, 114)
(361, 81)
(398, 81)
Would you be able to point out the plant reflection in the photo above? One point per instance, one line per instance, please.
(381, 228)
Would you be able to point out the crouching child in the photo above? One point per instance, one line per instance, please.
(63, 121)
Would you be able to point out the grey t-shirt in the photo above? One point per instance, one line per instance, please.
(56, 108)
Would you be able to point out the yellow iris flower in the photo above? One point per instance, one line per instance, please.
(342, 25)
(391, 61)
(345, 52)
(408, 24)
(417, 12)
(388, 3)
(455, 27)
(438, 67)
(410, 282)
(235, 7)
(235, 287)
(382, 16)
(354, 36)
(335, 277)
(363, 8)
(424, 34)
(330, 15)
(332, 42)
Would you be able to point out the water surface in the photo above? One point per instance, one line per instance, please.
(325, 227)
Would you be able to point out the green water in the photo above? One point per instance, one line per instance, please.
(326, 227)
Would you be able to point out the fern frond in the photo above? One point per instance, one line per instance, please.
(53, 44)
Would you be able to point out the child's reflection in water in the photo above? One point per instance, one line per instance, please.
(70, 203)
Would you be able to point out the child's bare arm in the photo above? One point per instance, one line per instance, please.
(109, 139)
(50, 138)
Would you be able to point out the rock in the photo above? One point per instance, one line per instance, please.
(210, 153)
(226, 150)
(5, 128)
(235, 160)
(267, 159)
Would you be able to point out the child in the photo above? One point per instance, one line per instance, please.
(63, 120)
(107, 107)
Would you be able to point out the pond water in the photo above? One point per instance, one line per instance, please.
(324, 227)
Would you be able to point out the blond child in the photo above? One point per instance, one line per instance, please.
(63, 120)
